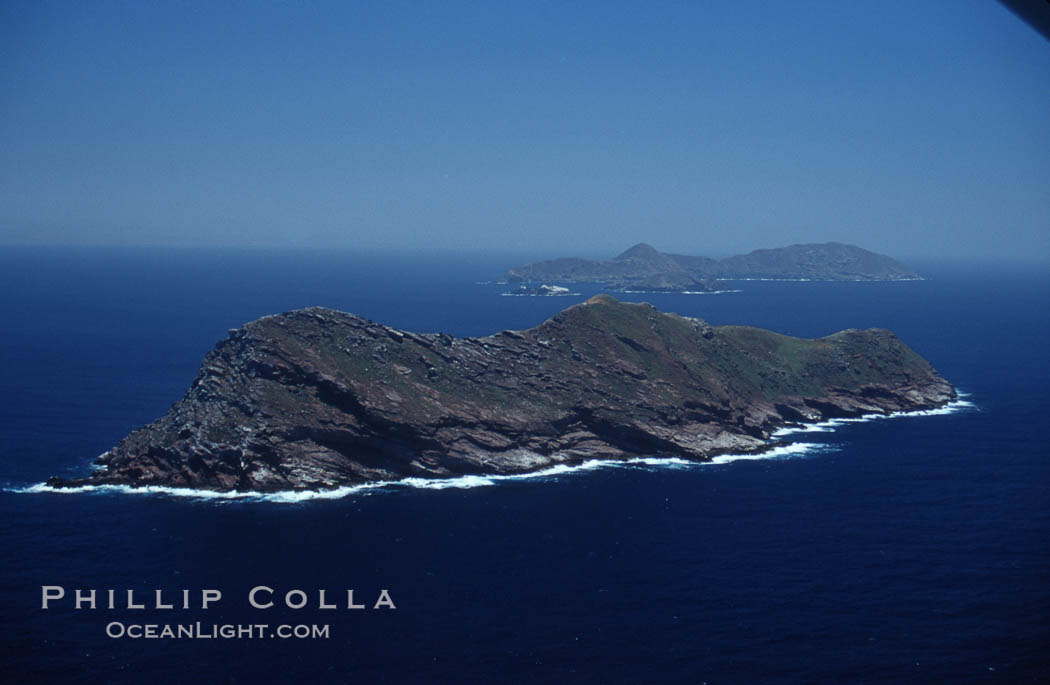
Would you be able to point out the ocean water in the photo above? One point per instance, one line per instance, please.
(910, 549)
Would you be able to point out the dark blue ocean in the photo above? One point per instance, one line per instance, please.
(906, 550)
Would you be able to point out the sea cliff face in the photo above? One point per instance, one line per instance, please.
(317, 398)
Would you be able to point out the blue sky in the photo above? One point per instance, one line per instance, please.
(919, 129)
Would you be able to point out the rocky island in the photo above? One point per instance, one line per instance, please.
(541, 290)
(316, 398)
(814, 262)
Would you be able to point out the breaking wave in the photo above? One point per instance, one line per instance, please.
(790, 450)
(459, 482)
(954, 407)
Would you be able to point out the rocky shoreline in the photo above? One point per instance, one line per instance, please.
(317, 399)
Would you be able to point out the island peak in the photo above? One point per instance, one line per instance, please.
(639, 251)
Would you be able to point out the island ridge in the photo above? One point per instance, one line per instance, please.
(316, 398)
(643, 266)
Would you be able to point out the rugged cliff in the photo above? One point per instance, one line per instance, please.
(317, 398)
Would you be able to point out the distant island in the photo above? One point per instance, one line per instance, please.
(643, 265)
(316, 398)
(541, 291)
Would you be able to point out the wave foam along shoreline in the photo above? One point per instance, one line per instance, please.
(828, 426)
(459, 482)
(475, 481)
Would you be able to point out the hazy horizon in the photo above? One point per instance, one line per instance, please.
(523, 253)
(913, 130)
